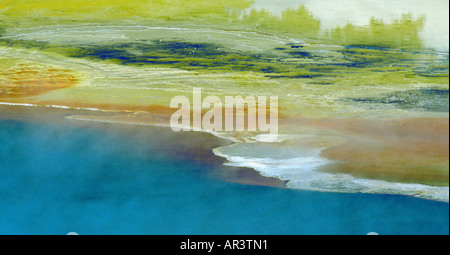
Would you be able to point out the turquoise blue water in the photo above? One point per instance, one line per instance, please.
(56, 179)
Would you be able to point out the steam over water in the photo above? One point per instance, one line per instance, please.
(56, 179)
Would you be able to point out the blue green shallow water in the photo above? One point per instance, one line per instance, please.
(56, 179)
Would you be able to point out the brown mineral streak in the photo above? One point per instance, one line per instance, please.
(401, 150)
(21, 81)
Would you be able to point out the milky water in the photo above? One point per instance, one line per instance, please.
(58, 178)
